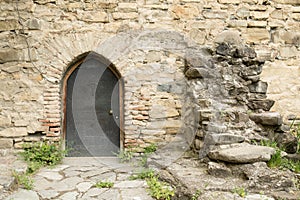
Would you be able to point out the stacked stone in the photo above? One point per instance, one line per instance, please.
(41, 38)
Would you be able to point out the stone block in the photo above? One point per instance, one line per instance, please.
(259, 87)
(8, 25)
(293, 2)
(10, 55)
(243, 154)
(219, 170)
(197, 35)
(21, 123)
(229, 1)
(13, 132)
(6, 143)
(42, 2)
(265, 104)
(5, 121)
(258, 15)
(210, 14)
(296, 16)
(237, 23)
(93, 16)
(276, 23)
(193, 73)
(258, 24)
(288, 52)
(279, 14)
(223, 138)
(34, 24)
(216, 128)
(287, 141)
(243, 12)
(163, 108)
(130, 15)
(185, 11)
(267, 118)
(257, 35)
(229, 37)
(127, 7)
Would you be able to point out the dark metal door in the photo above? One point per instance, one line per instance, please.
(92, 111)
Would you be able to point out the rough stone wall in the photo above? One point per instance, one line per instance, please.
(41, 38)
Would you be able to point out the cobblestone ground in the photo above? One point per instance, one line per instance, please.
(75, 179)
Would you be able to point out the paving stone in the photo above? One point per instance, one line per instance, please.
(84, 186)
(22, 194)
(92, 173)
(109, 176)
(51, 175)
(93, 192)
(71, 172)
(110, 194)
(66, 184)
(41, 183)
(59, 168)
(48, 194)
(258, 197)
(135, 194)
(130, 184)
(69, 196)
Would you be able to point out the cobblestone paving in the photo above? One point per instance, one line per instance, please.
(75, 179)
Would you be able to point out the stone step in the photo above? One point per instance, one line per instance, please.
(245, 153)
(267, 118)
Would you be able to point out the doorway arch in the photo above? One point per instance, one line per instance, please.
(93, 107)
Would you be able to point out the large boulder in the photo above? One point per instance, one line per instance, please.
(243, 154)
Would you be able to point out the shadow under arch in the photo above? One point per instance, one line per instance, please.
(90, 108)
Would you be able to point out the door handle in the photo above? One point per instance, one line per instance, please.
(110, 112)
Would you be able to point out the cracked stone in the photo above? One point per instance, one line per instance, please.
(51, 175)
(84, 186)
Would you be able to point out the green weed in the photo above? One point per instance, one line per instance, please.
(125, 155)
(277, 161)
(144, 174)
(104, 184)
(160, 190)
(46, 154)
(150, 149)
(240, 191)
(38, 155)
(196, 195)
(23, 180)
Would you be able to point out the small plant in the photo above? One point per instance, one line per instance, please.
(150, 149)
(147, 151)
(240, 191)
(43, 153)
(23, 180)
(196, 195)
(268, 143)
(160, 190)
(295, 130)
(144, 174)
(104, 184)
(125, 155)
(277, 161)
(38, 155)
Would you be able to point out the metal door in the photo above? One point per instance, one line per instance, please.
(92, 111)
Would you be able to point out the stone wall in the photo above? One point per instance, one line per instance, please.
(150, 43)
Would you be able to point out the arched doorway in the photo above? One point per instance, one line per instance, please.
(93, 108)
